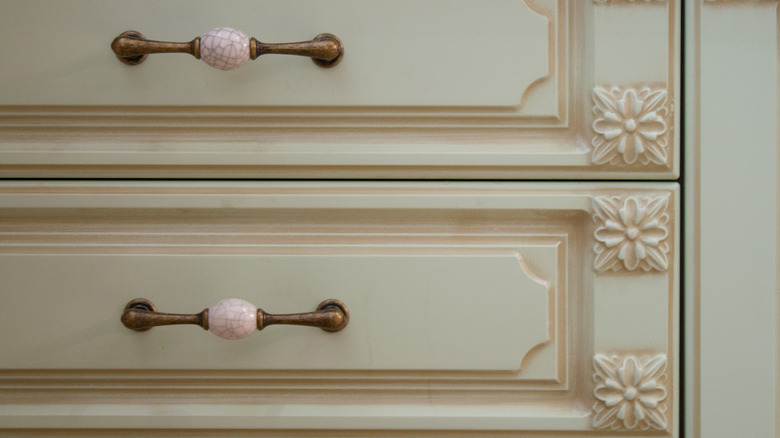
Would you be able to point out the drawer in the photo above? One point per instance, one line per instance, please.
(544, 307)
(505, 89)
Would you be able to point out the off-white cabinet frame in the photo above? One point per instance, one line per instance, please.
(730, 257)
(731, 170)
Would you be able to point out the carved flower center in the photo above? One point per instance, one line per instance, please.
(630, 393)
(630, 125)
(632, 233)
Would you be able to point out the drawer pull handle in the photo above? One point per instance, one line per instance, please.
(226, 48)
(234, 318)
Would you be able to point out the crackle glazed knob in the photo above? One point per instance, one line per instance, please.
(234, 318)
(226, 48)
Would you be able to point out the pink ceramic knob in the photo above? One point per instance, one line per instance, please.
(224, 48)
(233, 318)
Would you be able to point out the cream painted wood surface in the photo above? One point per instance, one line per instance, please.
(399, 321)
(508, 89)
(732, 219)
(474, 306)
(519, 308)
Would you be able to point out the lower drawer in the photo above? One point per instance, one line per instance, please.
(473, 306)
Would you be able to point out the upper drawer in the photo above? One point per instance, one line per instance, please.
(426, 89)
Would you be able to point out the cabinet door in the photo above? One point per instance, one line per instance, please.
(508, 89)
(473, 307)
(732, 220)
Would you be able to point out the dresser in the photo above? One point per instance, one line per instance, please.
(485, 205)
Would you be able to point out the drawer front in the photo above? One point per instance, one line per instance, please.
(474, 306)
(426, 89)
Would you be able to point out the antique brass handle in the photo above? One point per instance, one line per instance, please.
(234, 318)
(226, 48)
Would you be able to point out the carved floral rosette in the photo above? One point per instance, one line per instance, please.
(631, 233)
(630, 125)
(630, 392)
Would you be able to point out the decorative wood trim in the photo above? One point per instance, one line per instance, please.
(632, 233)
(631, 125)
(630, 391)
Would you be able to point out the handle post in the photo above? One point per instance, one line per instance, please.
(325, 50)
(331, 316)
(131, 47)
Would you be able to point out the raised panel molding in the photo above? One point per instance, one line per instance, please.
(631, 233)
(630, 391)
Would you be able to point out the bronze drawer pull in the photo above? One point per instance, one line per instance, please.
(226, 48)
(234, 318)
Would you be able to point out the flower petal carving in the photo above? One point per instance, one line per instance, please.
(630, 392)
(630, 126)
(631, 233)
